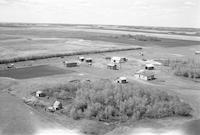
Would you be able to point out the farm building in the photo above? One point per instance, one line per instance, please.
(118, 59)
(145, 75)
(149, 67)
(39, 93)
(12, 65)
(112, 66)
(88, 60)
(81, 58)
(57, 105)
(70, 63)
(121, 80)
(197, 52)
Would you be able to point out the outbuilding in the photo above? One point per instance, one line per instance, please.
(57, 105)
(197, 52)
(88, 60)
(145, 75)
(11, 65)
(121, 80)
(149, 67)
(81, 58)
(39, 93)
(118, 59)
(112, 66)
(70, 63)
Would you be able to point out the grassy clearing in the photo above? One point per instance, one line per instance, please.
(104, 100)
(45, 56)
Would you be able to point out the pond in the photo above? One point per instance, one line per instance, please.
(33, 72)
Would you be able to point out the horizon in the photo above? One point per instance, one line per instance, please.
(152, 13)
(149, 26)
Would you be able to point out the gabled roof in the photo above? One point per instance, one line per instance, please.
(149, 65)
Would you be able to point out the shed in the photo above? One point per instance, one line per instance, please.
(118, 59)
(39, 93)
(11, 65)
(57, 105)
(88, 60)
(197, 52)
(149, 67)
(81, 58)
(121, 80)
(145, 75)
(112, 66)
(70, 63)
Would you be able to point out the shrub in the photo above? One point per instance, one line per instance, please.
(187, 68)
(106, 101)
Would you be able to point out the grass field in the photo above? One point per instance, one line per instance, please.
(17, 41)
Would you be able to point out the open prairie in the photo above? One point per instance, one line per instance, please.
(144, 46)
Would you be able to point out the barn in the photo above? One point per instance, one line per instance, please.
(145, 75)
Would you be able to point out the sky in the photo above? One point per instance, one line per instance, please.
(170, 13)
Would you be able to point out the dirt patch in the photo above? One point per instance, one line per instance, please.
(33, 72)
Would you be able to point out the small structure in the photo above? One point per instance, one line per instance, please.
(149, 67)
(39, 93)
(197, 52)
(51, 109)
(57, 105)
(11, 65)
(118, 59)
(88, 60)
(121, 80)
(112, 66)
(70, 63)
(81, 58)
(145, 75)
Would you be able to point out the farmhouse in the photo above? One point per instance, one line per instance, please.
(121, 80)
(112, 66)
(70, 63)
(118, 59)
(145, 75)
(39, 93)
(149, 67)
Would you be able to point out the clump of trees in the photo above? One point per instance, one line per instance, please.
(106, 101)
(189, 68)
(142, 37)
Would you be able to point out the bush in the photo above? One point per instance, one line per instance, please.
(106, 101)
(187, 68)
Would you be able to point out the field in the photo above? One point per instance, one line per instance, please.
(43, 49)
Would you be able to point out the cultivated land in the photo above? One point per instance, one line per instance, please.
(23, 40)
